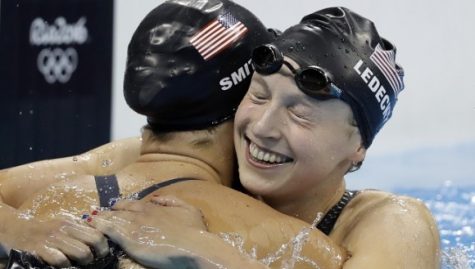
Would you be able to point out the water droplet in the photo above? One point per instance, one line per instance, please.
(173, 72)
(347, 50)
(32, 112)
(290, 49)
(187, 69)
(30, 148)
(20, 113)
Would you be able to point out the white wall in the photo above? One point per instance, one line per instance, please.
(431, 137)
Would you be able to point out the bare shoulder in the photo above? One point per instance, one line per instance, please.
(388, 228)
(389, 205)
(111, 157)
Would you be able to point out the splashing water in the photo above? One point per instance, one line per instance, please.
(293, 247)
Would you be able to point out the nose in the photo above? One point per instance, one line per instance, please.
(266, 125)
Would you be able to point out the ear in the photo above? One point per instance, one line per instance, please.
(359, 154)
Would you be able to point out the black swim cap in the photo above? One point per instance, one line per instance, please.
(188, 64)
(359, 62)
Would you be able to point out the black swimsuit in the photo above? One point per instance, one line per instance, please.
(328, 221)
(108, 189)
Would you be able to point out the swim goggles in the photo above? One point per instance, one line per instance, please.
(312, 80)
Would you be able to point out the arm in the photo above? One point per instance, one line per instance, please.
(392, 232)
(171, 240)
(271, 236)
(260, 227)
(20, 182)
(56, 242)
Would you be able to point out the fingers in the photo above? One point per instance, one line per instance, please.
(171, 201)
(113, 230)
(53, 256)
(90, 237)
(73, 249)
(129, 205)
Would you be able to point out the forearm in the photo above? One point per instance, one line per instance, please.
(7, 217)
(194, 249)
(301, 245)
(20, 182)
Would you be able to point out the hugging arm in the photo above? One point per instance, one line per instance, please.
(20, 182)
(174, 226)
(56, 241)
(174, 238)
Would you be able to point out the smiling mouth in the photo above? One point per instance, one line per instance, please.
(262, 156)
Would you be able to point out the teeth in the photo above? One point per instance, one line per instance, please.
(265, 156)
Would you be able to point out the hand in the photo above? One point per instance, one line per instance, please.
(159, 233)
(168, 233)
(56, 242)
(164, 208)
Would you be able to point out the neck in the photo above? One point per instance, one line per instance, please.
(215, 155)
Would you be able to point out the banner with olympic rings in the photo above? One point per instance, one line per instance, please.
(55, 78)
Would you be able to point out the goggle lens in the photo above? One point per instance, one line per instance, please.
(312, 80)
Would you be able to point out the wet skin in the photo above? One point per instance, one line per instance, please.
(226, 210)
(293, 151)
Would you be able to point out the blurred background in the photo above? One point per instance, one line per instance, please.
(430, 139)
(62, 64)
(429, 142)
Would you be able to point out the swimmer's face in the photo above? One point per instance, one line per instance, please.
(288, 144)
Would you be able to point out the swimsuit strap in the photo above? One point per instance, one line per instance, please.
(141, 194)
(107, 189)
(328, 221)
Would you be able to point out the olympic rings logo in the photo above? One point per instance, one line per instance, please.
(57, 64)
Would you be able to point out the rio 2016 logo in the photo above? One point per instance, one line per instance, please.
(55, 63)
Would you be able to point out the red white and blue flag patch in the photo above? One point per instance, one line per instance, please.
(218, 35)
(385, 60)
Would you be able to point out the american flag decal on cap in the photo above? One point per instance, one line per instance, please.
(218, 35)
(385, 61)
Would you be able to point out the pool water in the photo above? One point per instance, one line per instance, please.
(454, 209)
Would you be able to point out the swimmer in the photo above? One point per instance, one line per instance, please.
(320, 94)
(189, 88)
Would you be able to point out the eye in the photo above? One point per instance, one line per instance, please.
(257, 98)
(257, 95)
(300, 115)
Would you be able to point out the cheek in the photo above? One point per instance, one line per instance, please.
(241, 111)
(320, 146)
(245, 112)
